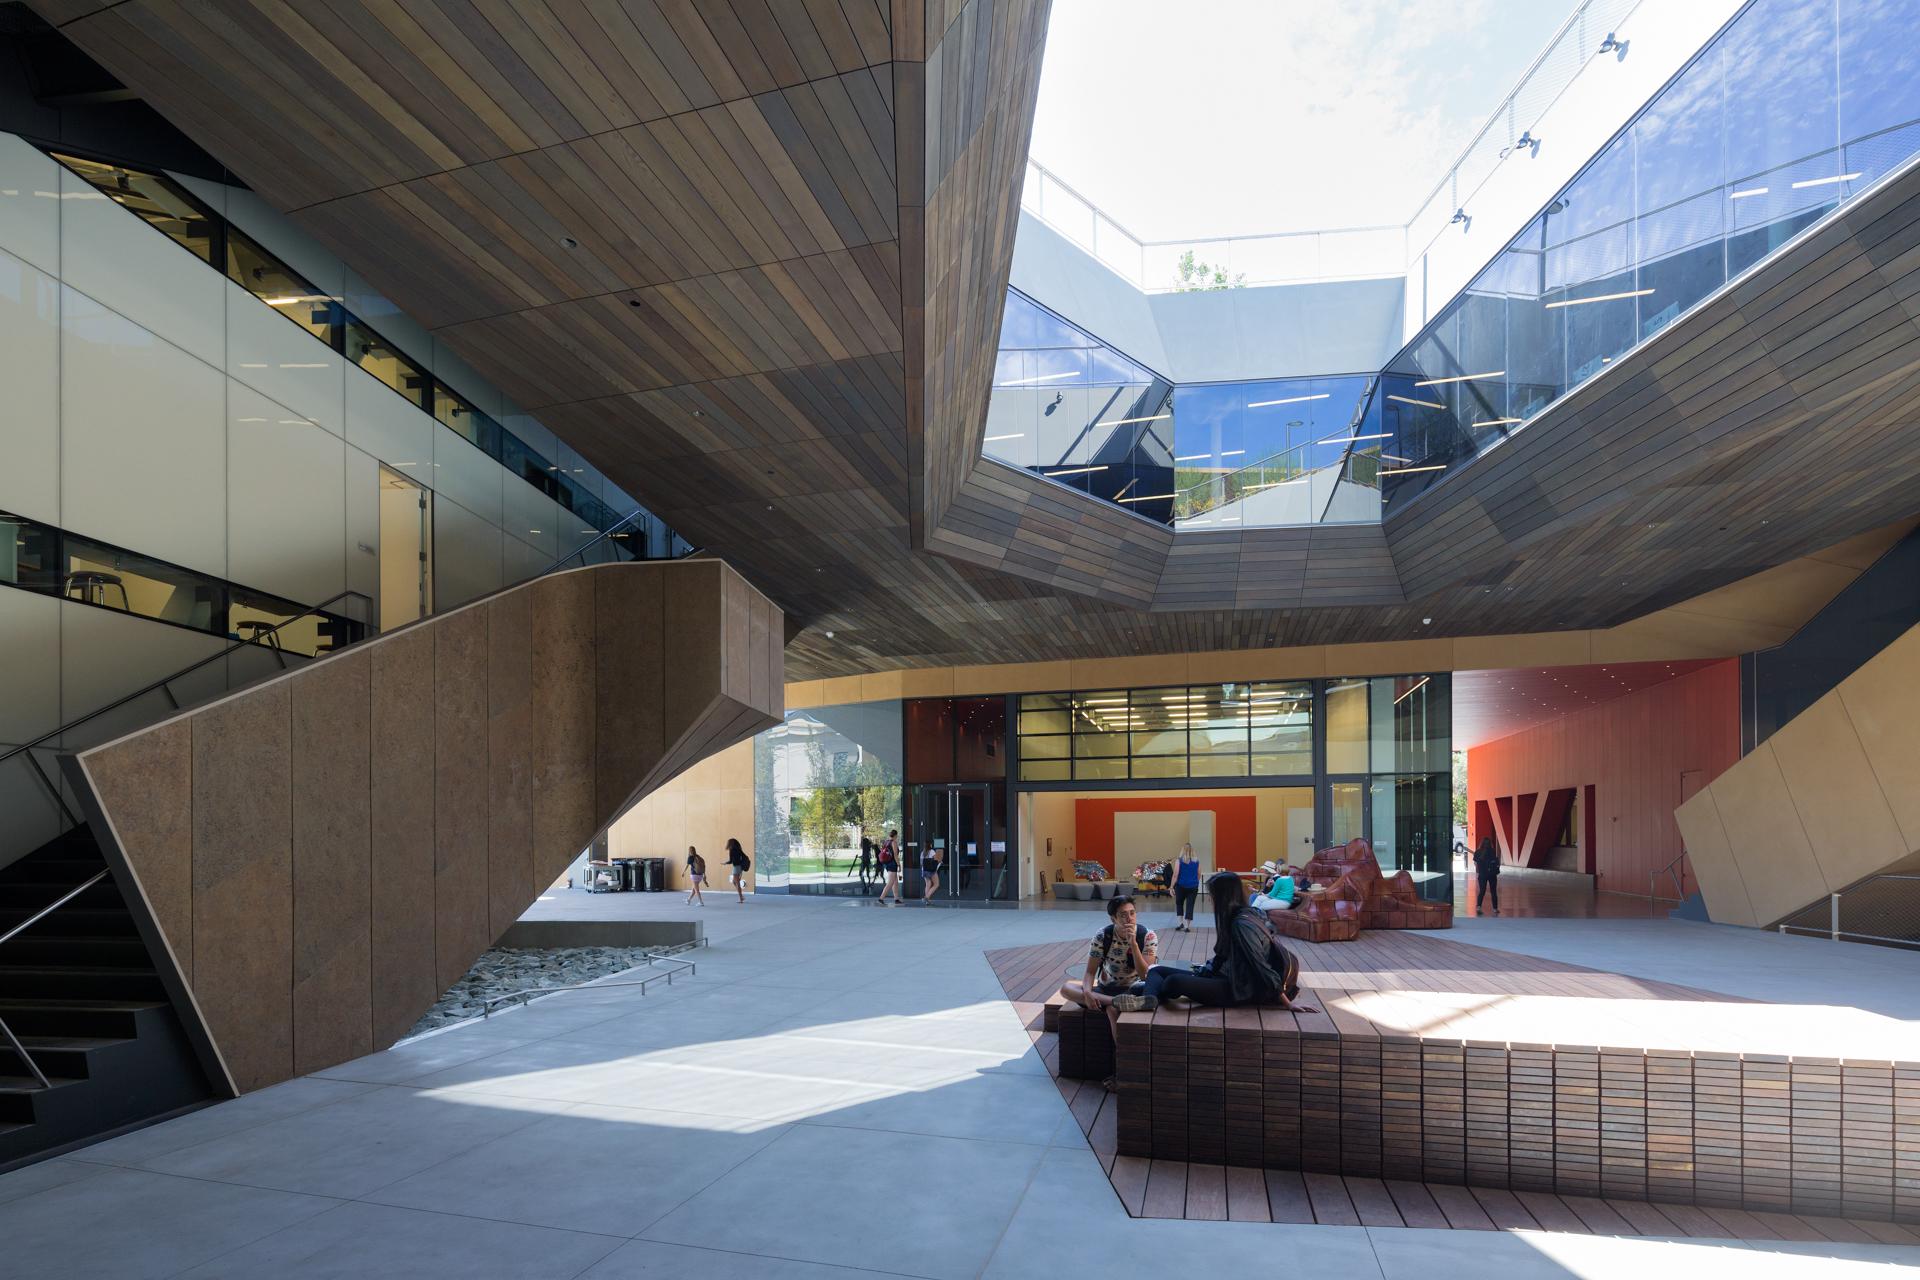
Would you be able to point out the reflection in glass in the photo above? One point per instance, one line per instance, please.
(387, 362)
(1346, 704)
(280, 287)
(156, 200)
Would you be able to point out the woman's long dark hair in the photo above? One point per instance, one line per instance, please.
(1229, 895)
(733, 847)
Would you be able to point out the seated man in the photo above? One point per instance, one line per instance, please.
(1117, 964)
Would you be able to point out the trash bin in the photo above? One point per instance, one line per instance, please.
(656, 874)
(629, 874)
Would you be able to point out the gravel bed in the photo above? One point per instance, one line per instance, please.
(499, 972)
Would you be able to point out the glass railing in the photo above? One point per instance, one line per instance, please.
(1330, 481)
(1344, 253)
(1795, 108)
(178, 214)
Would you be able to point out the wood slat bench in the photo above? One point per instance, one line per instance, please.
(1432, 1061)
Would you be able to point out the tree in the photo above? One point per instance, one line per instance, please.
(876, 797)
(1191, 276)
(820, 812)
(1459, 788)
(769, 833)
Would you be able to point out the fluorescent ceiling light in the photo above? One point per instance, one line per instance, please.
(1262, 404)
(1231, 453)
(1464, 377)
(1424, 404)
(1148, 497)
(1395, 471)
(1599, 297)
(1045, 377)
(1076, 471)
(1018, 435)
(1193, 457)
(1347, 439)
(1100, 702)
(1497, 422)
(1275, 484)
(1127, 422)
(1409, 693)
(293, 299)
(1750, 191)
(1822, 182)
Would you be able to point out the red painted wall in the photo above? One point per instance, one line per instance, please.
(1632, 751)
(1234, 824)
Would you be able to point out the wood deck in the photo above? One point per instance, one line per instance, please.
(1392, 1116)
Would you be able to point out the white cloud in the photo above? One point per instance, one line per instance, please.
(1224, 117)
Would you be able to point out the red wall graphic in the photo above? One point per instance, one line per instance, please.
(1234, 824)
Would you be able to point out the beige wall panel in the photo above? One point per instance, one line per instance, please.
(1712, 860)
(1846, 818)
(564, 814)
(1673, 635)
(512, 731)
(1859, 552)
(1776, 862)
(1883, 700)
(402, 813)
(460, 896)
(1122, 673)
(1536, 649)
(670, 838)
(1781, 598)
(243, 882)
(1015, 677)
(928, 682)
(806, 693)
(1389, 659)
(629, 729)
(332, 959)
(1300, 663)
(840, 690)
(146, 783)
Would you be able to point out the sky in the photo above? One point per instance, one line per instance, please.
(1192, 118)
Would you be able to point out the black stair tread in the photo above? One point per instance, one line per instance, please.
(37, 1004)
(27, 1084)
(90, 970)
(67, 1042)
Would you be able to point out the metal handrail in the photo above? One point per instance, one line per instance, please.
(51, 907)
(13, 1041)
(661, 957)
(1833, 929)
(1679, 881)
(611, 531)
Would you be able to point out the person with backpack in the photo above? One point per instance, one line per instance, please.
(1486, 870)
(1118, 962)
(740, 863)
(697, 873)
(1249, 965)
(890, 868)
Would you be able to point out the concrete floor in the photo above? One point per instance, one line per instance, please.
(841, 1090)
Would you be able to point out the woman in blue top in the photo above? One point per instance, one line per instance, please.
(1186, 887)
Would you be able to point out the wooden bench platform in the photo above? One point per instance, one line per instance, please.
(1435, 1061)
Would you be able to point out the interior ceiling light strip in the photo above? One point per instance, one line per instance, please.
(1348, 439)
(1263, 404)
(1018, 435)
(1193, 457)
(1822, 182)
(1400, 471)
(1463, 377)
(1497, 422)
(1231, 453)
(1410, 692)
(1750, 191)
(1424, 404)
(1076, 471)
(1127, 422)
(1599, 297)
(1149, 497)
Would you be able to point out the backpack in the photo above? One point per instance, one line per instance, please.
(746, 863)
(1284, 962)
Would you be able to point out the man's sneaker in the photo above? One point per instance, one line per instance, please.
(1135, 1004)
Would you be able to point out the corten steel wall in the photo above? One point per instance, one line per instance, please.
(324, 854)
(1632, 750)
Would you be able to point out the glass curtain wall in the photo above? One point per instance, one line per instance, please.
(1228, 730)
(1797, 106)
(822, 778)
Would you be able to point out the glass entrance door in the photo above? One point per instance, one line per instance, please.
(1346, 811)
(954, 837)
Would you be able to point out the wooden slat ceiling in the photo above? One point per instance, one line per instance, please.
(748, 256)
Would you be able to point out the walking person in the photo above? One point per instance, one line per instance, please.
(1186, 888)
(890, 868)
(866, 861)
(930, 872)
(697, 873)
(738, 864)
(1486, 868)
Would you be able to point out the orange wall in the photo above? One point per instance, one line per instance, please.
(1234, 822)
(1633, 751)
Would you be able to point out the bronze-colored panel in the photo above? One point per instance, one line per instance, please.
(511, 740)
(461, 923)
(147, 785)
(694, 595)
(405, 980)
(630, 673)
(564, 643)
(243, 882)
(331, 709)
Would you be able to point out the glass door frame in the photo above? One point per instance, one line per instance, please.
(937, 808)
(1323, 837)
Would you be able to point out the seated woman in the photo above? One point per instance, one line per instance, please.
(1117, 963)
(1249, 965)
(1276, 888)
